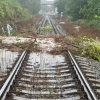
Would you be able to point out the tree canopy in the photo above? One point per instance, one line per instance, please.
(79, 9)
(18, 9)
(11, 9)
(60, 4)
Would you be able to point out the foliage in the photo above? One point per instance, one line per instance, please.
(91, 47)
(60, 4)
(92, 50)
(0, 40)
(46, 28)
(17, 38)
(69, 18)
(18, 44)
(80, 9)
(11, 10)
(94, 23)
(13, 34)
(81, 22)
(33, 6)
(91, 9)
(73, 8)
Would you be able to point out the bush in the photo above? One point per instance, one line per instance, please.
(91, 47)
(0, 40)
(69, 18)
(94, 23)
(46, 28)
(18, 44)
(81, 21)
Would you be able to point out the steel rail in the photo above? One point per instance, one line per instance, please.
(57, 28)
(53, 25)
(42, 23)
(6, 87)
(90, 93)
(48, 20)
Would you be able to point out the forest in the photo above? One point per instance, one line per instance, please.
(12, 10)
(84, 11)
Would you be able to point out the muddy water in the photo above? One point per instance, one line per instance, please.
(44, 60)
(43, 76)
(42, 72)
(39, 62)
(7, 58)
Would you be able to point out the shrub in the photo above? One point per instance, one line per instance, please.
(81, 22)
(0, 40)
(46, 28)
(18, 44)
(94, 23)
(91, 47)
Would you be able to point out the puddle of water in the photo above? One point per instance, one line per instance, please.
(69, 98)
(7, 58)
(45, 60)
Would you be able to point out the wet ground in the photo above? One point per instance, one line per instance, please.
(81, 30)
(7, 59)
(46, 51)
(44, 71)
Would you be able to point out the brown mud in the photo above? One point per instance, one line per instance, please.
(28, 30)
(88, 31)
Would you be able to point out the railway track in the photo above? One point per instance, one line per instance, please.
(46, 79)
(56, 28)
(42, 76)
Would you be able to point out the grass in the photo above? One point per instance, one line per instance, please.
(87, 38)
(90, 47)
(45, 29)
(0, 40)
(19, 44)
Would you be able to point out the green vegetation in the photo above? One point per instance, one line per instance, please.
(90, 47)
(17, 38)
(0, 40)
(60, 4)
(85, 10)
(18, 44)
(45, 29)
(13, 34)
(12, 10)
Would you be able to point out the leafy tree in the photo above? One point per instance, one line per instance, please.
(91, 9)
(79, 9)
(73, 8)
(60, 4)
(11, 10)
